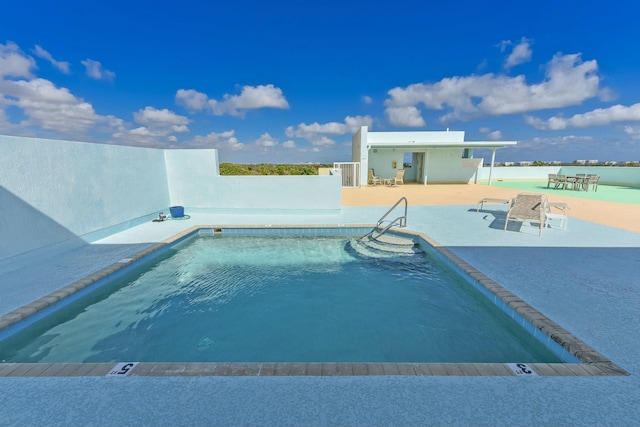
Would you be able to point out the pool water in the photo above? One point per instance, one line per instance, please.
(279, 299)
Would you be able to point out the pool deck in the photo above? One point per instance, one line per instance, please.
(585, 278)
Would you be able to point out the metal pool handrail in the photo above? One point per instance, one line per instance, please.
(401, 220)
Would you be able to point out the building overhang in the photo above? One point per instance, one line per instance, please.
(418, 145)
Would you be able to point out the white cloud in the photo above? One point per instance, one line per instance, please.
(316, 133)
(95, 70)
(60, 65)
(633, 132)
(568, 81)
(544, 143)
(289, 144)
(223, 141)
(44, 106)
(367, 100)
(50, 107)
(597, 117)
(14, 63)
(192, 99)
(266, 140)
(159, 118)
(157, 126)
(250, 98)
(405, 116)
(520, 54)
(496, 135)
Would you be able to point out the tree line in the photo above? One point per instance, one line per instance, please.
(231, 169)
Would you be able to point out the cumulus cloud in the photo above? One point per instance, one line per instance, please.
(14, 63)
(50, 107)
(43, 106)
(159, 118)
(60, 65)
(597, 117)
(250, 98)
(496, 135)
(632, 131)
(223, 141)
(289, 144)
(266, 140)
(192, 99)
(367, 100)
(316, 133)
(96, 71)
(568, 81)
(520, 53)
(406, 116)
(156, 126)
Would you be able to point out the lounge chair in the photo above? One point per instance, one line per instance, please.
(374, 180)
(398, 179)
(528, 207)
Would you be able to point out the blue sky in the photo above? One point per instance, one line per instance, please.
(291, 81)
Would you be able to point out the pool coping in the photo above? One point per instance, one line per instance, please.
(592, 362)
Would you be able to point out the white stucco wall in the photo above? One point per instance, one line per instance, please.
(54, 191)
(63, 194)
(194, 182)
(608, 174)
(518, 172)
(293, 193)
(381, 160)
(188, 173)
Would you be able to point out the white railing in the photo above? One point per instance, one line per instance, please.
(350, 172)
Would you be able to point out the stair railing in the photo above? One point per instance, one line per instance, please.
(401, 221)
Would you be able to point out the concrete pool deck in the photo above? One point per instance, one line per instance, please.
(584, 278)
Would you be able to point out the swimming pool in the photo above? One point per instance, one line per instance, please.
(415, 357)
(280, 299)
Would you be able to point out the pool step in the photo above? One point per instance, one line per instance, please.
(383, 246)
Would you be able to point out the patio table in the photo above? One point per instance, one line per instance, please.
(577, 182)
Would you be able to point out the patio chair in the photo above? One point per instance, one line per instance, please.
(553, 178)
(561, 181)
(592, 180)
(398, 179)
(529, 208)
(373, 179)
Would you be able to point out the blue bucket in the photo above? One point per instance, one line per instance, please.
(177, 211)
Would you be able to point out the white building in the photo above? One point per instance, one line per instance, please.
(436, 156)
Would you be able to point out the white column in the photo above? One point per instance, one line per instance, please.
(493, 158)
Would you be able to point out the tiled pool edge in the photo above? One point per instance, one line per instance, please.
(593, 363)
(205, 369)
(587, 355)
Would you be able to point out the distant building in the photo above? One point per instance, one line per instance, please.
(525, 163)
(555, 163)
(610, 163)
(592, 162)
(580, 162)
(509, 163)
